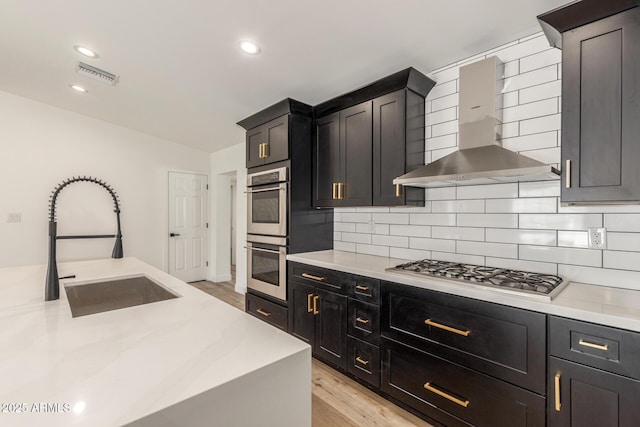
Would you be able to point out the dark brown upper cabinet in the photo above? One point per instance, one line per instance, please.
(600, 44)
(366, 138)
(272, 132)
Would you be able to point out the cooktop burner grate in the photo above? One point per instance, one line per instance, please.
(540, 285)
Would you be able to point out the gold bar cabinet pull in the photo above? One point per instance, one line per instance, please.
(341, 191)
(362, 288)
(309, 308)
(265, 150)
(262, 151)
(567, 174)
(557, 391)
(264, 313)
(361, 320)
(398, 190)
(311, 276)
(334, 191)
(463, 403)
(362, 361)
(447, 328)
(603, 347)
(315, 305)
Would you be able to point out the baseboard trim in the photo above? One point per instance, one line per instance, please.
(221, 278)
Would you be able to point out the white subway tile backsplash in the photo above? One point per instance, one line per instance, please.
(531, 142)
(540, 189)
(540, 124)
(547, 90)
(373, 250)
(432, 244)
(622, 222)
(621, 260)
(468, 206)
(488, 220)
(623, 241)
(432, 219)
(457, 233)
(586, 257)
(492, 191)
(444, 141)
(600, 276)
(518, 264)
(539, 60)
(526, 111)
(442, 116)
(356, 237)
(409, 254)
(532, 78)
(501, 250)
(573, 239)
(513, 225)
(522, 236)
(397, 241)
(392, 218)
(560, 221)
(527, 205)
(410, 230)
(463, 258)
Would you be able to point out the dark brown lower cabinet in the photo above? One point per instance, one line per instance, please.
(319, 317)
(581, 396)
(454, 395)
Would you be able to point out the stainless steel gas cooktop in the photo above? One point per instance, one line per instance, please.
(525, 283)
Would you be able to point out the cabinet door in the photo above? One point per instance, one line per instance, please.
(590, 397)
(600, 110)
(388, 147)
(277, 139)
(356, 153)
(255, 137)
(301, 317)
(327, 160)
(331, 328)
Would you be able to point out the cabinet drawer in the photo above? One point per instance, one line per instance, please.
(321, 277)
(364, 289)
(424, 381)
(267, 311)
(364, 321)
(603, 347)
(364, 361)
(501, 341)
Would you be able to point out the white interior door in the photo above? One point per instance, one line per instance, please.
(188, 233)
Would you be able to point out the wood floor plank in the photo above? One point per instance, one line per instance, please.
(337, 401)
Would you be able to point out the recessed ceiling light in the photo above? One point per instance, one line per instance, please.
(78, 88)
(86, 51)
(249, 47)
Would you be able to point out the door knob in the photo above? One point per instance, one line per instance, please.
(174, 234)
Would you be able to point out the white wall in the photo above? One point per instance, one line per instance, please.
(519, 226)
(41, 145)
(224, 165)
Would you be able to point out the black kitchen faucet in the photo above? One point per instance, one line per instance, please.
(52, 285)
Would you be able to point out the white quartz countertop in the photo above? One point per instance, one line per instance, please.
(597, 304)
(112, 368)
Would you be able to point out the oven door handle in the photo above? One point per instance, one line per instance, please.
(251, 248)
(281, 187)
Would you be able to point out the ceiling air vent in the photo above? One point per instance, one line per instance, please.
(97, 74)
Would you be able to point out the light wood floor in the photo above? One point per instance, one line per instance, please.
(337, 401)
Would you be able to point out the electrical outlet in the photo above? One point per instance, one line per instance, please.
(597, 238)
(372, 226)
(14, 217)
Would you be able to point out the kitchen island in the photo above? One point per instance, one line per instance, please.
(188, 361)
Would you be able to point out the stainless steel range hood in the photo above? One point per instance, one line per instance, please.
(480, 158)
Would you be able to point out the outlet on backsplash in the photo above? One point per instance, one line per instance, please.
(372, 226)
(14, 217)
(597, 237)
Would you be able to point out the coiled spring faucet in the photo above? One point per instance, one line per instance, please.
(52, 285)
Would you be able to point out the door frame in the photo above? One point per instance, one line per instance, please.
(167, 228)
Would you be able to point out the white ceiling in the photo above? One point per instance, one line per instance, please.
(183, 78)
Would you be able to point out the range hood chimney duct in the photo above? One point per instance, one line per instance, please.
(480, 158)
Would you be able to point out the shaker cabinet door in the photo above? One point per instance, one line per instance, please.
(356, 154)
(331, 328)
(327, 161)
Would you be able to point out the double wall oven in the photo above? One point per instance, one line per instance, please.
(267, 208)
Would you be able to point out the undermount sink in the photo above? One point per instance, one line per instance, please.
(113, 294)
